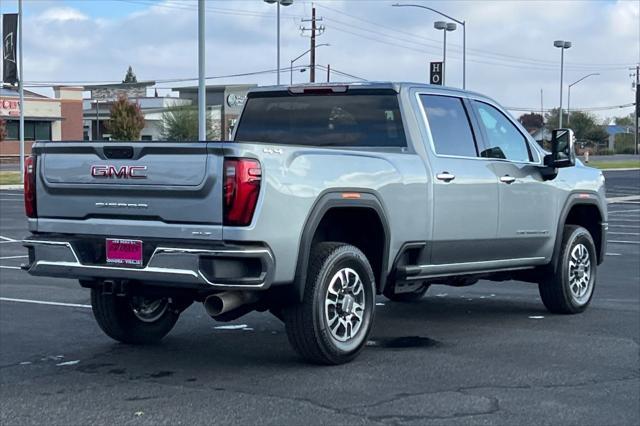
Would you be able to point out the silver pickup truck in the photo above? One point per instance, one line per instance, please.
(326, 196)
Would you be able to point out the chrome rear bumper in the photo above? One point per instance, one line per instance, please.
(181, 266)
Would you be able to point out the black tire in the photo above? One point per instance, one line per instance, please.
(116, 317)
(308, 324)
(413, 296)
(556, 287)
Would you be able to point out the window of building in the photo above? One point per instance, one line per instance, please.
(449, 124)
(33, 130)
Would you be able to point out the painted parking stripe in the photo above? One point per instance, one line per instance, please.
(13, 257)
(42, 302)
(9, 267)
(11, 240)
(614, 254)
(624, 211)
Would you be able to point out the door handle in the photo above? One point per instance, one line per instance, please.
(507, 179)
(445, 176)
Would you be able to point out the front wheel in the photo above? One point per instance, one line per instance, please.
(331, 324)
(133, 319)
(569, 289)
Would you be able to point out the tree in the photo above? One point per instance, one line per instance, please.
(3, 129)
(127, 120)
(583, 124)
(130, 77)
(625, 121)
(531, 121)
(180, 124)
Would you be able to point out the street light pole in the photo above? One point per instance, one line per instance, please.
(464, 37)
(278, 3)
(562, 45)
(21, 90)
(298, 57)
(202, 94)
(569, 94)
(444, 26)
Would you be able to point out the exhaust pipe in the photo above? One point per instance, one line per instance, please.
(220, 303)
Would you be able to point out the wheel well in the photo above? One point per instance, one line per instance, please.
(588, 216)
(358, 226)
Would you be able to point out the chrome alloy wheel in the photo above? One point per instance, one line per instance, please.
(580, 282)
(344, 304)
(149, 310)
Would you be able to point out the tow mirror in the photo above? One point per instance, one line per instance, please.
(562, 149)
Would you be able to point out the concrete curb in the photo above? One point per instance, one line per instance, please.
(10, 187)
(619, 170)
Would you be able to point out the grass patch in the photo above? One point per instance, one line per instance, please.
(9, 178)
(629, 164)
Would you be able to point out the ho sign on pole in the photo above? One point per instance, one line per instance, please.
(435, 73)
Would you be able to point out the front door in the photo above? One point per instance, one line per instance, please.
(465, 188)
(526, 212)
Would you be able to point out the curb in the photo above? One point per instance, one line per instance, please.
(11, 187)
(626, 169)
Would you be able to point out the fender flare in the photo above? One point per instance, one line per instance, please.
(573, 200)
(334, 199)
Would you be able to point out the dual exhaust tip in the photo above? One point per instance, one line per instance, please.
(221, 303)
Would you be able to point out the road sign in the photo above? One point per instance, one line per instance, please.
(435, 73)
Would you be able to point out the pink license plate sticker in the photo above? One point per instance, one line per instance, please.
(124, 252)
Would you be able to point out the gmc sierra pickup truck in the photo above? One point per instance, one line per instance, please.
(326, 196)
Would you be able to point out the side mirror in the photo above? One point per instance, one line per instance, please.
(562, 149)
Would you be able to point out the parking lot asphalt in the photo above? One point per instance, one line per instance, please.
(485, 354)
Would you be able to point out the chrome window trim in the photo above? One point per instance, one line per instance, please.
(462, 95)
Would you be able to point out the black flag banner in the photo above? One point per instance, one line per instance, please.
(10, 48)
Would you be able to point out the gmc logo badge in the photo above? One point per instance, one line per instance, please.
(122, 172)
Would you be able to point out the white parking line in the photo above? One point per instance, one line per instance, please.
(13, 257)
(623, 220)
(10, 199)
(10, 240)
(612, 233)
(614, 254)
(9, 267)
(624, 242)
(42, 302)
(624, 211)
(624, 226)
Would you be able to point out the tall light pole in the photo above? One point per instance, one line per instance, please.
(202, 91)
(444, 26)
(283, 3)
(21, 89)
(569, 94)
(562, 45)
(464, 37)
(298, 57)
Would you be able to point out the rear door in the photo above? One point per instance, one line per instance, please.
(161, 182)
(465, 205)
(526, 212)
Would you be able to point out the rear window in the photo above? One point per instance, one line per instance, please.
(345, 119)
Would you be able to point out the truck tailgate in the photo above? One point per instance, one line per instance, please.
(157, 181)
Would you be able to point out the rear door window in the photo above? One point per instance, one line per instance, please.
(352, 119)
(450, 128)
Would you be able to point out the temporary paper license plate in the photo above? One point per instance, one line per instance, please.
(124, 252)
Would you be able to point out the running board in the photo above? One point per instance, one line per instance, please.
(419, 272)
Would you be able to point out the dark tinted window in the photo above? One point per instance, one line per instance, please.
(449, 124)
(503, 137)
(349, 119)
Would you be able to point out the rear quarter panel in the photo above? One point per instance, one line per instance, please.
(294, 177)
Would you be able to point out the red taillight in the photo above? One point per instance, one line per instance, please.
(30, 186)
(242, 178)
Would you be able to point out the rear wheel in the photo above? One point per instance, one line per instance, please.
(569, 289)
(331, 324)
(133, 319)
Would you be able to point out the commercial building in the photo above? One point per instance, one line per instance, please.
(45, 118)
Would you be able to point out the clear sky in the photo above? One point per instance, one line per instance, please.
(510, 53)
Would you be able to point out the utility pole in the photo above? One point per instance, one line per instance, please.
(328, 73)
(635, 148)
(315, 31)
(21, 89)
(202, 94)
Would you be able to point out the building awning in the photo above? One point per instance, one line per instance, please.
(30, 118)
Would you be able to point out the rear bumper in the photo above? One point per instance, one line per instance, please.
(225, 266)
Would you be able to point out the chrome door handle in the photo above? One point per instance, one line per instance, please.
(445, 176)
(507, 179)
